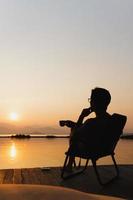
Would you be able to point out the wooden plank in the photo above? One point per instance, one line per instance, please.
(56, 174)
(42, 178)
(37, 175)
(25, 178)
(85, 182)
(17, 177)
(8, 178)
(48, 177)
(126, 173)
(2, 175)
(29, 176)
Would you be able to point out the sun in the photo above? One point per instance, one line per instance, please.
(13, 116)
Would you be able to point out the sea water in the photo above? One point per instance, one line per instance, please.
(48, 152)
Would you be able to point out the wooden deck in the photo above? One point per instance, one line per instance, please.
(86, 182)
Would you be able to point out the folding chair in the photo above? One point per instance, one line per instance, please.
(107, 145)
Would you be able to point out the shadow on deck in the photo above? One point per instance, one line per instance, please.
(86, 182)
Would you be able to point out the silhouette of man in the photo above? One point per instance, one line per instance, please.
(85, 135)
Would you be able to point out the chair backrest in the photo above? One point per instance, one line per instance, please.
(110, 133)
(113, 131)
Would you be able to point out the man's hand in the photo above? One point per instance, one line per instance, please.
(67, 123)
(85, 112)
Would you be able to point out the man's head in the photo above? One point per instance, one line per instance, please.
(100, 99)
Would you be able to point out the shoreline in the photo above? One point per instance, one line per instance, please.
(36, 136)
(123, 137)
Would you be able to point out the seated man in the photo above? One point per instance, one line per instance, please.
(85, 136)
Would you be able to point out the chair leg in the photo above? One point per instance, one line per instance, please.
(64, 166)
(70, 175)
(79, 164)
(116, 167)
(98, 175)
(96, 171)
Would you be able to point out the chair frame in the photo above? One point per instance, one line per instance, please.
(94, 164)
(94, 159)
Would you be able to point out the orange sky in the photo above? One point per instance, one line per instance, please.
(54, 52)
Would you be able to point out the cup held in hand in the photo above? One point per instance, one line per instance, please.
(62, 123)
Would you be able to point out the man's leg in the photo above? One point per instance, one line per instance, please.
(71, 160)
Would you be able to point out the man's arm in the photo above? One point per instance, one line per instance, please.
(85, 112)
(70, 124)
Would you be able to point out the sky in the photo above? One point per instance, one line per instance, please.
(52, 53)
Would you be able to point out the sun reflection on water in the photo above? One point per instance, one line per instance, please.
(13, 151)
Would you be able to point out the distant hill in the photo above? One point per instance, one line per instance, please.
(6, 128)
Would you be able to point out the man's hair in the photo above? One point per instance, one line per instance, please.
(101, 98)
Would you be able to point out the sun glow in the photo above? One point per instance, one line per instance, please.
(13, 116)
(13, 151)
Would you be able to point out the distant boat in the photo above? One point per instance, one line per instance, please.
(50, 136)
(20, 136)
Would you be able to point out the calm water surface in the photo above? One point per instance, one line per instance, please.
(41, 152)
